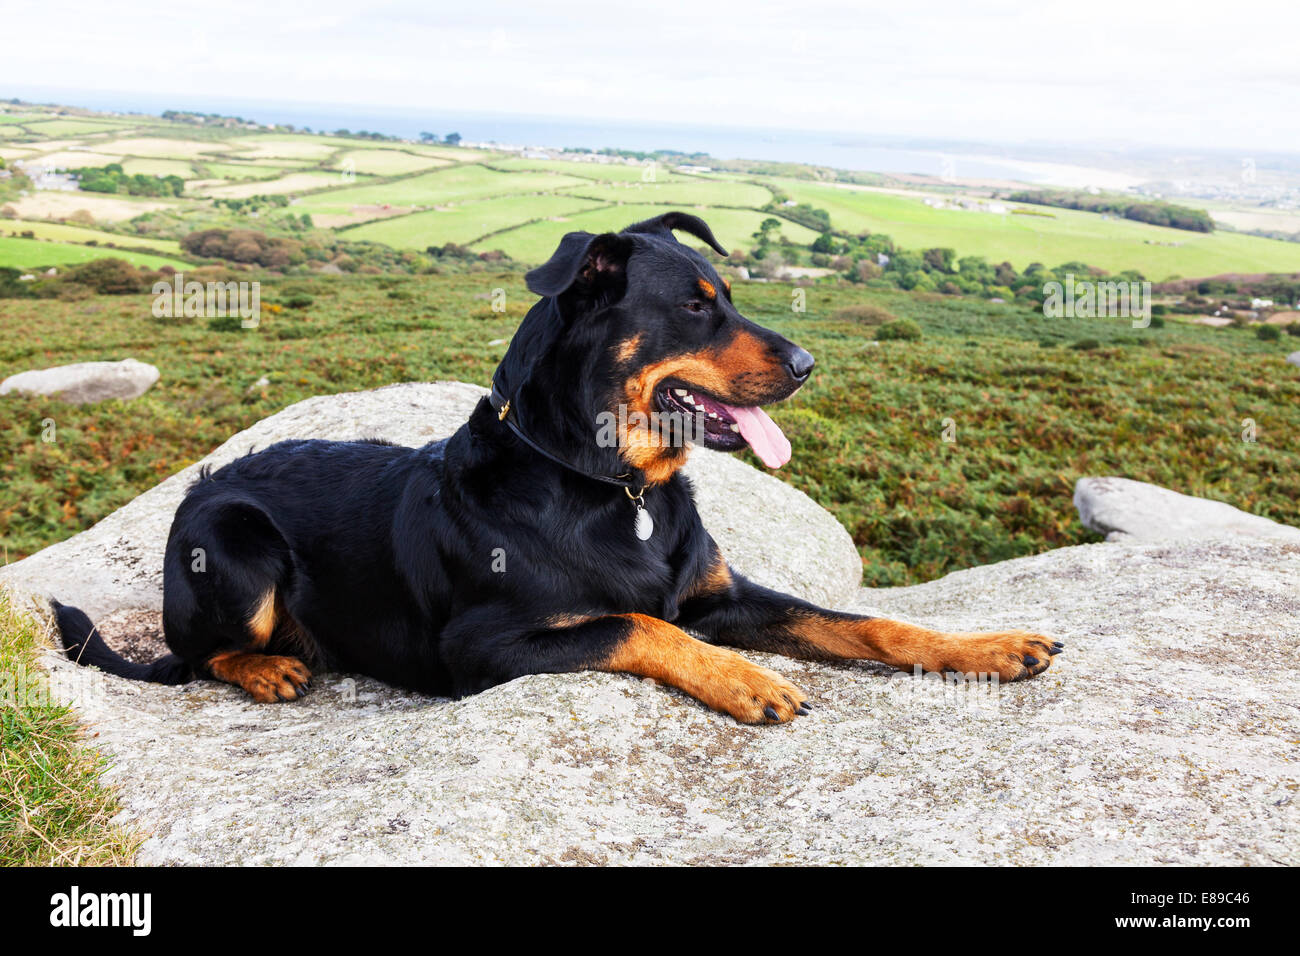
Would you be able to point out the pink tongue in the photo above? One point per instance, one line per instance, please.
(763, 435)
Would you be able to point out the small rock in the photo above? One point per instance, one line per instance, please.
(1121, 508)
(1294, 358)
(86, 381)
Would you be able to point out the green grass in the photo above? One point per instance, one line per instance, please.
(239, 171)
(54, 808)
(70, 127)
(597, 172)
(733, 227)
(466, 222)
(1031, 415)
(457, 184)
(35, 253)
(1065, 236)
(677, 192)
(384, 162)
(158, 167)
(60, 232)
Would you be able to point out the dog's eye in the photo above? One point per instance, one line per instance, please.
(697, 306)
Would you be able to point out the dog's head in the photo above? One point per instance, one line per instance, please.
(638, 332)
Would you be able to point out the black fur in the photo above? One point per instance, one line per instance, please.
(387, 560)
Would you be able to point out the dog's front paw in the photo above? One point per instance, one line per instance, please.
(1012, 655)
(749, 693)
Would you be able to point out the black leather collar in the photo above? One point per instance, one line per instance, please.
(504, 408)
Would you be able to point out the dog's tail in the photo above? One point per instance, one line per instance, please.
(82, 643)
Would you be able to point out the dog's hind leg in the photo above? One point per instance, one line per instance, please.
(223, 609)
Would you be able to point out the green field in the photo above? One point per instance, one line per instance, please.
(384, 162)
(466, 222)
(1064, 235)
(679, 193)
(159, 167)
(457, 184)
(34, 253)
(60, 232)
(243, 170)
(535, 242)
(1030, 414)
(596, 172)
(494, 200)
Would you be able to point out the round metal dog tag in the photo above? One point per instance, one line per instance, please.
(645, 525)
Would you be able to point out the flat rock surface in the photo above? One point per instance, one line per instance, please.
(1166, 734)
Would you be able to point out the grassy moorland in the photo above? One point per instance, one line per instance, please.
(1031, 404)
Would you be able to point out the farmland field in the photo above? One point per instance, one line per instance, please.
(414, 195)
(1062, 235)
(34, 253)
(458, 183)
(385, 162)
(59, 232)
(466, 222)
(293, 182)
(536, 241)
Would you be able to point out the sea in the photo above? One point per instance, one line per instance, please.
(839, 150)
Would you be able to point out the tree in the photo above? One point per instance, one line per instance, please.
(940, 260)
(428, 137)
(452, 139)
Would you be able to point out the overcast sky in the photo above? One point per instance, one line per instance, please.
(1102, 72)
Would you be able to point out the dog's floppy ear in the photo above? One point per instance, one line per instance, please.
(665, 224)
(594, 262)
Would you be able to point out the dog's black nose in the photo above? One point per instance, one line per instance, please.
(800, 365)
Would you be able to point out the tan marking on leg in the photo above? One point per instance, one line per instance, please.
(563, 621)
(267, 677)
(716, 580)
(717, 677)
(907, 646)
(261, 623)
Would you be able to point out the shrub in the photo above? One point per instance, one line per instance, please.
(899, 329)
(1086, 345)
(299, 301)
(865, 314)
(108, 276)
(1268, 333)
(1293, 329)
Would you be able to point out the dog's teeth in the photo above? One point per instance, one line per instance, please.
(688, 399)
(735, 427)
(713, 414)
(679, 392)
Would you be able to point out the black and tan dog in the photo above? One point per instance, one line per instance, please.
(524, 543)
